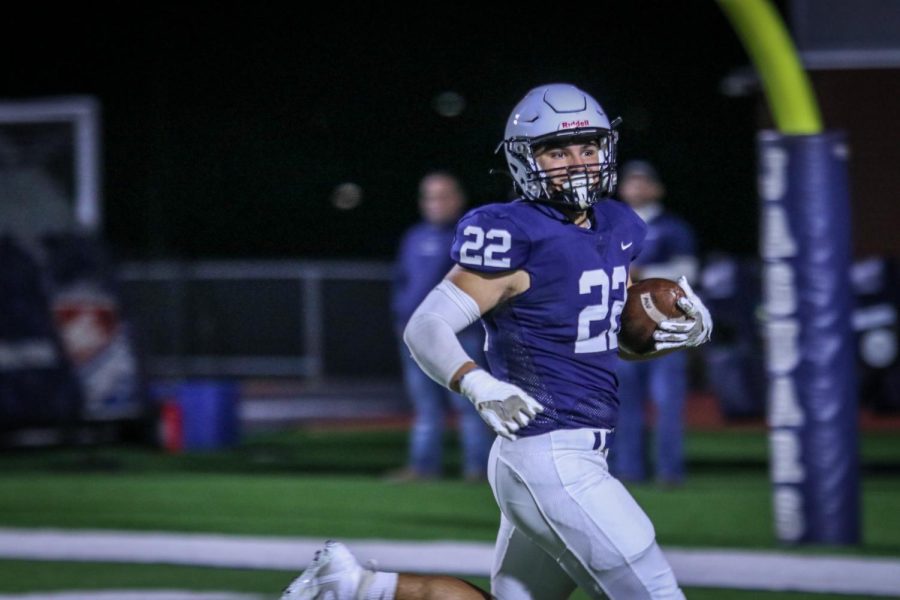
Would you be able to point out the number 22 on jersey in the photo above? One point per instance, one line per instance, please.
(607, 339)
(501, 243)
(475, 252)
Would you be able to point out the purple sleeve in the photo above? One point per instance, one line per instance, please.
(488, 240)
(635, 227)
(639, 231)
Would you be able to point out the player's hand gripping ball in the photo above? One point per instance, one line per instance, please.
(661, 315)
(649, 303)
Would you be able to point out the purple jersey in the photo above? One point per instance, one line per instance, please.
(558, 340)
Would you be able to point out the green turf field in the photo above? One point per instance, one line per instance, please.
(327, 484)
(26, 576)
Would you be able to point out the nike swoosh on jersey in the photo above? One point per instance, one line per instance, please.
(625, 246)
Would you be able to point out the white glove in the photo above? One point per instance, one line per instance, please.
(503, 406)
(693, 331)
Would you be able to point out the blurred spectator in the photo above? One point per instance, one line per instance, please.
(422, 261)
(876, 287)
(669, 252)
(734, 361)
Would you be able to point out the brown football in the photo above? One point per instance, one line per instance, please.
(649, 302)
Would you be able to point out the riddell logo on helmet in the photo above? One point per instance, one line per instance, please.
(570, 124)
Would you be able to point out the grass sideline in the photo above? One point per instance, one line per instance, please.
(327, 483)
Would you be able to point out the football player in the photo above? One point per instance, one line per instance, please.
(547, 274)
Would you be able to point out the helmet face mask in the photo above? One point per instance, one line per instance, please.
(554, 116)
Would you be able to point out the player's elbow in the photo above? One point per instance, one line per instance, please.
(419, 330)
(408, 338)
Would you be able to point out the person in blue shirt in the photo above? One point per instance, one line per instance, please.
(422, 261)
(669, 252)
(547, 275)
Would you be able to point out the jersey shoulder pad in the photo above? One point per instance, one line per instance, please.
(622, 218)
(619, 214)
(491, 239)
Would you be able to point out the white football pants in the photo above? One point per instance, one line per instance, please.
(566, 521)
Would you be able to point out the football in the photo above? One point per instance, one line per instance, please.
(649, 301)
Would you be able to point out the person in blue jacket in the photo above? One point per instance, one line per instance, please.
(422, 262)
(669, 252)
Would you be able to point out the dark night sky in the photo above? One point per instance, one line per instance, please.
(228, 125)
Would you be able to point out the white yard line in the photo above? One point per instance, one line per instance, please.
(693, 567)
(784, 571)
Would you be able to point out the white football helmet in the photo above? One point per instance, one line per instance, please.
(560, 114)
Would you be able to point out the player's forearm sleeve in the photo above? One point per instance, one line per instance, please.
(431, 332)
